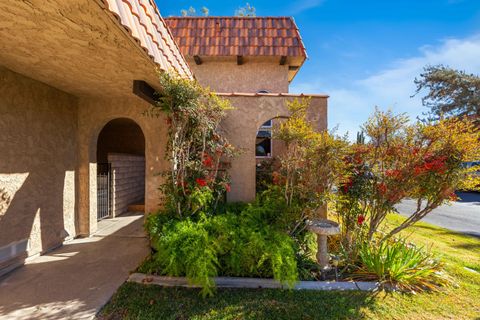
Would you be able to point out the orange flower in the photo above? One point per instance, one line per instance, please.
(276, 177)
(382, 188)
(453, 197)
(418, 170)
(393, 173)
(207, 161)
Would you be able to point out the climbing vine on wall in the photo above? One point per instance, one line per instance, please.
(197, 150)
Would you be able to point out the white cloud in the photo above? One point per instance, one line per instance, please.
(301, 5)
(392, 88)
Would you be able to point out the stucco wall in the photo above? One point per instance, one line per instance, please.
(37, 162)
(227, 76)
(241, 126)
(93, 115)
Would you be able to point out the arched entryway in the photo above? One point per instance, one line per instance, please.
(120, 168)
(267, 152)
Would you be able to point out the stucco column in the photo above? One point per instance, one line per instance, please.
(243, 177)
(155, 132)
(87, 190)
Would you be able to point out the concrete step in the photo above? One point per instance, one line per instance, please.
(138, 207)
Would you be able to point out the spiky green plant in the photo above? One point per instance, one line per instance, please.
(400, 265)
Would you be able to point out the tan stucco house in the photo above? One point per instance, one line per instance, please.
(75, 78)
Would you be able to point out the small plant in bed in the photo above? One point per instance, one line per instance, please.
(399, 265)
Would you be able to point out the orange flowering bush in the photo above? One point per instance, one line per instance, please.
(422, 161)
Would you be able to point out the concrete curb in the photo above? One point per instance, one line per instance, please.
(254, 283)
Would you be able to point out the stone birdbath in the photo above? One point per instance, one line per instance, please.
(323, 228)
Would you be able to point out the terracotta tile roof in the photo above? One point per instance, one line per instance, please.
(232, 36)
(143, 21)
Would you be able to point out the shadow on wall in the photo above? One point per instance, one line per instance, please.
(37, 166)
(32, 219)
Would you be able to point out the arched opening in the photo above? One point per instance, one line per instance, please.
(267, 152)
(120, 168)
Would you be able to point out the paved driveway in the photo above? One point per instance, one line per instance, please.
(462, 216)
(76, 280)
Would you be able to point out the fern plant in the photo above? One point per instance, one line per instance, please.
(226, 244)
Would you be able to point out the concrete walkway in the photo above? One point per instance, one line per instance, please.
(76, 280)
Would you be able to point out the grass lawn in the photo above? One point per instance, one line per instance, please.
(135, 301)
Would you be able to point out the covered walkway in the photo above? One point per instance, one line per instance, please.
(76, 280)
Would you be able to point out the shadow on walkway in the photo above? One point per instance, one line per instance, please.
(76, 280)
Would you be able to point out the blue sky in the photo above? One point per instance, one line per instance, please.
(367, 53)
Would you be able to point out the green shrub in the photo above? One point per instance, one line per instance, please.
(272, 207)
(231, 207)
(186, 248)
(229, 244)
(400, 265)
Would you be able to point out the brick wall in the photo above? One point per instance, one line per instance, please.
(128, 181)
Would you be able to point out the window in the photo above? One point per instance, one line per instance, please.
(263, 145)
(267, 125)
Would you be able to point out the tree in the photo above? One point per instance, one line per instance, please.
(311, 165)
(450, 92)
(246, 11)
(421, 161)
(360, 137)
(192, 12)
(205, 11)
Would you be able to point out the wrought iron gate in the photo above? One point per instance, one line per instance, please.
(104, 186)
